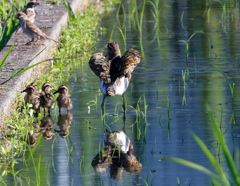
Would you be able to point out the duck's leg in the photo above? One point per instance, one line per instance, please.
(49, 112)
(124, 105)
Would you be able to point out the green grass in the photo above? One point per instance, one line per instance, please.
(8, 22)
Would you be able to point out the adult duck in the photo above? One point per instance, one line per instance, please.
(115, 72)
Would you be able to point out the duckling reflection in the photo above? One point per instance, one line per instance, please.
(64, 123)
(117, 155)
(33, 135)
(46, 126)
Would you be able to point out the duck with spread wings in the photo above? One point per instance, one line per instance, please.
(114, 72)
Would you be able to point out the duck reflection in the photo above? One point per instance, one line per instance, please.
(64, 123)
(33, 135)
(46, 126)
(116, 155)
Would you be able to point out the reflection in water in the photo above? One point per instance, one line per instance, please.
(46, 126)
(116, 155)
(64, 123)
(33, 135)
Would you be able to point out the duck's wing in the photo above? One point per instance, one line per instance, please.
(129, 61)
(101, 67)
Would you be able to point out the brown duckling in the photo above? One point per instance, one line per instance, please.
(64, 99)
(32, 97)
(45, 97)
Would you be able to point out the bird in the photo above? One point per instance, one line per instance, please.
(30, 29)
(30, 12)
(64, 99)
(45, 97)
(115, 72)
(32, 97)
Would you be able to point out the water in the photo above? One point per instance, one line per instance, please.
(212, 63)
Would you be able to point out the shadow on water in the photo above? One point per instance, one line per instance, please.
(168, 98)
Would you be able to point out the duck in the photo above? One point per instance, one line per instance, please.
(46, 98)
(32, 97)
(114, 70)
(64, 99)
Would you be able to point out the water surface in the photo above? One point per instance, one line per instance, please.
(209, 66)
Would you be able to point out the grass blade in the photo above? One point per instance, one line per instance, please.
(193, 165)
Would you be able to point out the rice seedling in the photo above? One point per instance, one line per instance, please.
(111, 34)
(123, 34)
(133, 14)
(156, 13)
(141, 117)
(219, 176)
(232, 91)
(182, 20)
(187, 42)
(89, 105)
(140, 28)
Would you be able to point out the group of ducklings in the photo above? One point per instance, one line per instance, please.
(45, 99)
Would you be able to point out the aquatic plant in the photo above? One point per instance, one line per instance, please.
(141, 117)
(221, 176)
(187, 42)
(156, 13)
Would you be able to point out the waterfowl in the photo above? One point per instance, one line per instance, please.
(47, 127)
(64, 123)
(32, 97)
(115, 72)
(45, 97)
(64, 99)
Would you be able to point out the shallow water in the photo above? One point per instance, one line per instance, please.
(212, 63)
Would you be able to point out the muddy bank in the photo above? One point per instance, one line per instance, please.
(51, 18)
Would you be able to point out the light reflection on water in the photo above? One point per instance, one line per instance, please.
(212, 54)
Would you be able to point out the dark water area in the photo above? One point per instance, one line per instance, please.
(182, 88)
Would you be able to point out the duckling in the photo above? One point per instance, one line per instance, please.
(114, 72)
(64, 99)
(45, 97)
(32, 97)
